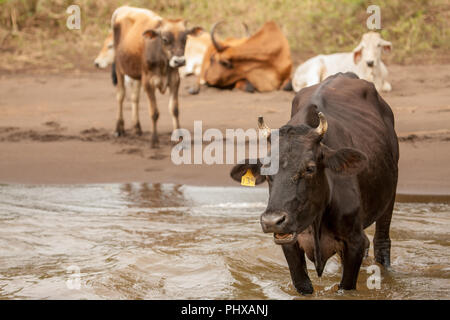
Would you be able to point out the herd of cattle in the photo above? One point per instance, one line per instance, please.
(144, 48)
(338, 154)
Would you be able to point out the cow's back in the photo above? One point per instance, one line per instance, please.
(358, 118)
(128, 27)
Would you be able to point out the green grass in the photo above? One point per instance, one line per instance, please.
(418, 29)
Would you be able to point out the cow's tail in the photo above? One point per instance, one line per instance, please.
(114, 74)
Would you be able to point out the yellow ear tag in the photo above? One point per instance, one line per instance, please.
(248, 179)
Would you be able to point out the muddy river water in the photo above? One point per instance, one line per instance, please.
(143, 241)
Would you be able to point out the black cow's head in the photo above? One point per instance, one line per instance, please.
(167, 42)
(300, 190)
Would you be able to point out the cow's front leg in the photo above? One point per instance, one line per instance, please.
(352, 256)
(295, 257)
(136, 90)
(120, 96)
(154, 113)
(174, 85)
(245, 85)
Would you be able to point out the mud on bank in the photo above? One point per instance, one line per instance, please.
(59, 129)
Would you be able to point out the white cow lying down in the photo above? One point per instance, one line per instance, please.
(365, 61)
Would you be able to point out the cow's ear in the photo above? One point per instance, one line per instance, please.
(240, 169)
(195, 31)
(150, 34)
(386, 45)
(357, 54)
(345, 161)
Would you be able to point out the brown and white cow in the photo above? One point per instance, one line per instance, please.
(148, 49)
(260, 62)
(196, 47)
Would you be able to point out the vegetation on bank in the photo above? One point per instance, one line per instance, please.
(33, 33)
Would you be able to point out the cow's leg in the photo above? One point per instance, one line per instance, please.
(295, 257)
(173, 100)
(136, 90)
(385, 85)
(381, 240)
(195, 89)
(287, 85)
(153, 110)
(120, 96)
(245, 85)
(352, 257)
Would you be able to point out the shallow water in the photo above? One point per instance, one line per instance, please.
(142, 241)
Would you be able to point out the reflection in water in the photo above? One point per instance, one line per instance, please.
(161, 241)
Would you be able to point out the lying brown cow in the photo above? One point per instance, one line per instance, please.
(148, 49)
(260, 62)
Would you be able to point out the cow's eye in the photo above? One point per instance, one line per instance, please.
(309, 171)
(226, 63)
(165, 40)
(110, 46)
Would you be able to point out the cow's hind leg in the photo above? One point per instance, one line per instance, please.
(154, 113)
(120, 96)
(295, 257)
(136, 90)
(381, 240)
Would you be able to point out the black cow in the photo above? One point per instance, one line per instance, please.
(338, 160)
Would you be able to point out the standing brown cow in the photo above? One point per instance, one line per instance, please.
(148, 49)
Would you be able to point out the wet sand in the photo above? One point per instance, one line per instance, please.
(58, 129)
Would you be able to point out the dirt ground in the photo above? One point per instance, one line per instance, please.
(59, 129)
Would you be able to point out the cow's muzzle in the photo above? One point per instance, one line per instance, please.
(277, 223)
(177, 61)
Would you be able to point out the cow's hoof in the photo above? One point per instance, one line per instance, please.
(194, 90)
(119, 133)
(155, 142)
(384, 260)
(304, 288)
(120, 129)
(288, 86)
(343, 287)
(249, 87)
(137, 129)
(154, 145)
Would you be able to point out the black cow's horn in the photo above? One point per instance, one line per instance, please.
(263, 127)
(217, 45)
(323, 125)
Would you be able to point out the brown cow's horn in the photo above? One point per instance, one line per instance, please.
(218, 46)
(323, 125)
(263, 127)
(247, 31)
